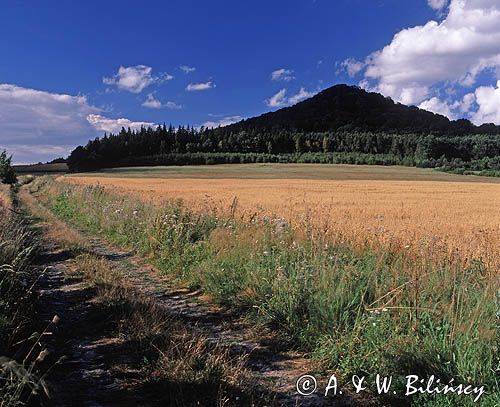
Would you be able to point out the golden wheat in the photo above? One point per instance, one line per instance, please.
(449, 217)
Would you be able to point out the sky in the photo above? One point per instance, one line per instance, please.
(71, 71)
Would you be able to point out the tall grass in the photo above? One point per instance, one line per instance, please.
(358, 312)
(18, 245)
(180, 366)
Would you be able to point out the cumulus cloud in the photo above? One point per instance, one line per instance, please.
(37, 125)
(108, 125)
(282, 74)
(194, 87)
(488, 101)
(187, 69)
(421, 60)
(34, 117)
(456, 50)
(153, 103)
(280, 98)
(352, 67)
(437, 5)
(135, 78)
(224, 121)
(439, 106)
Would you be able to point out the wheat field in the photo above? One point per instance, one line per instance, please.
(444, 217)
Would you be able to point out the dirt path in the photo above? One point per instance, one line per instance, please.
(88, 375)
(81, 378)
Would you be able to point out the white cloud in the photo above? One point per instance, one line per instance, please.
(29, 154)
(488, 100)
(187, 69)
(278, 99)
(454, 51)
(135, 78)
(31, 117)
(439, 106)
(282, 74)
(193, 87)
(437, 5)
(106, 124)
(225, 121)
(352, 67)
(172, 105)
(38, 126)
(467, 103)
(301, 95)
(153, 103)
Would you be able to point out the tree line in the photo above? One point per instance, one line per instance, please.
(187, 145)
(340, 123)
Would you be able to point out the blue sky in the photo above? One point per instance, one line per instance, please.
(71, 70)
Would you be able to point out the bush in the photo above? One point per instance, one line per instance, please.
(7, 174)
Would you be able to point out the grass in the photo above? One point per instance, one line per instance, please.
(19, 378)
(340, 172)
(357, 310)
(179, 365)
(41, 168)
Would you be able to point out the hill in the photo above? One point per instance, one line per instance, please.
(342, 124)
(343, 107)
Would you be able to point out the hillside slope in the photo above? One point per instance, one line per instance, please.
(344, 107)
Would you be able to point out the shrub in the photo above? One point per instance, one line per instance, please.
(7, 174)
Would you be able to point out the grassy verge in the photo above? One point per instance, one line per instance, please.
(357, 312)
(19, 376)
(175, 364)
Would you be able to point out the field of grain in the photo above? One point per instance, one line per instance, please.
(391, 206)
(375, 275)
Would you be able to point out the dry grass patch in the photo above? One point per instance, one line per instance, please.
(179, 363)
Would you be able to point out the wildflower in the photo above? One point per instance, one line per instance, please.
(56, 319)
(135, 212)
(118, 211)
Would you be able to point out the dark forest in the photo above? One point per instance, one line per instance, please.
(342, 124)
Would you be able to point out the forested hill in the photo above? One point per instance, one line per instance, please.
(343, 107)
(342, 124)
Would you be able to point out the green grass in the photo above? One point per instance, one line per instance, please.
(41, 168)
(356, 312)
(289, 171)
